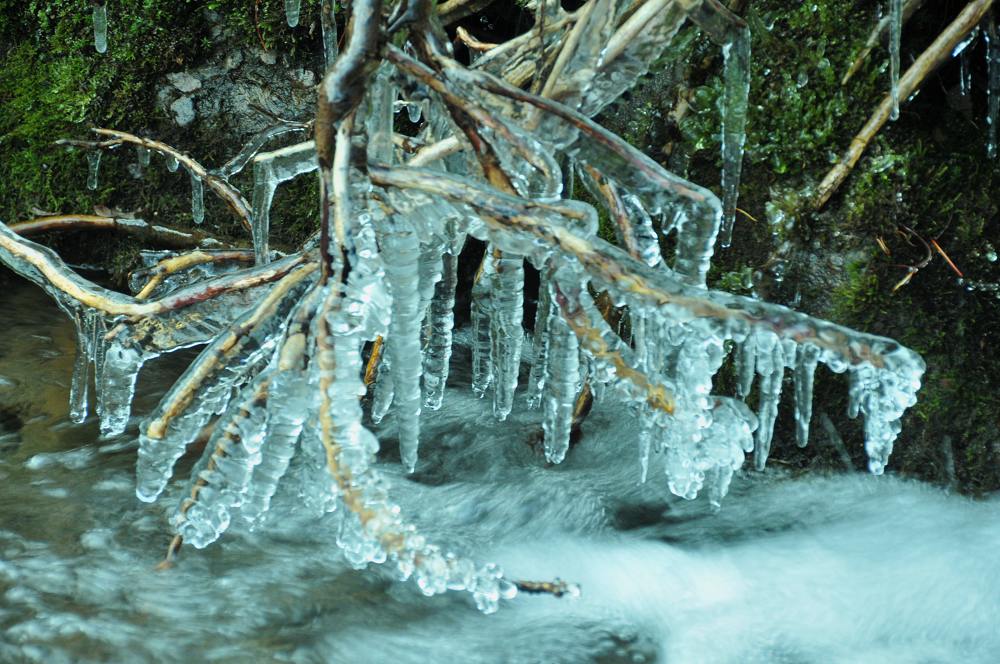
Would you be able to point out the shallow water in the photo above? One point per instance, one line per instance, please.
(805, 570)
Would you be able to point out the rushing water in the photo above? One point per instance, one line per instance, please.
(817, 569)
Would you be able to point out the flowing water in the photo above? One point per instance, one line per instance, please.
(796, 570)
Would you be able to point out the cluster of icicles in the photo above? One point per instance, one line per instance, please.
(279, 381)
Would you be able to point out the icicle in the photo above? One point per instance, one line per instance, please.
(482, 368)
(197, 199)
(172, 163)
(993, 89)
(401, 250)
(806, 358)
(384, 390)
(252, 148)
(964, 74)
(269, 170)
(506, 333)
(292, 12)
(121, 370)
(562, 382)
(317, 491)
(81, 369)
(895, 32)
(100, 28)
(736, 74)
(413, 112)
(645, 446)
(771, 369)
(328, 24)
(98, 347)
(264, 185)
(540, 344)
(439, 341)
(93, 167)
(142, 156)
(746, 358)
(289, 403)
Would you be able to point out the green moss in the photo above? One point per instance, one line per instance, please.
(53, 84)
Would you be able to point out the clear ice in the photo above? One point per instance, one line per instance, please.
(100, 13)
(895, 31)
(292, 8)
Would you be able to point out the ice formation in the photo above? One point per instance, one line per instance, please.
(895, 31)
(292, 8)
(277, 389)
(100, 15)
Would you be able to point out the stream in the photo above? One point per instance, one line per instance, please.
(807, 569)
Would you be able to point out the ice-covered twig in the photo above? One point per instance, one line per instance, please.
(44, 267)
(603, 343)
(226, 346)
(342, 89)
(644, 286)
(175, 264)
(154, 234)
(556, 588)
(936, 54)
(474, 44)
(227, 192)
(453, 11)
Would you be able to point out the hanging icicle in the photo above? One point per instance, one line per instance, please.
(100, 16)
(292, 8)
(895, 32)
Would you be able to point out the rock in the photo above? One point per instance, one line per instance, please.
(304, 77)
(183, 110)
(184, 81)
(234, 60)
(268, 57)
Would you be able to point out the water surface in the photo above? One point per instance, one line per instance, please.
(793, 570)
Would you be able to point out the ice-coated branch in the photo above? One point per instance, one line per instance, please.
(603, 344)
(227, 192)
(628, 277)
(186, 261)
(342, 89)
(225, 346)
(44, 267)
(155, 234)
